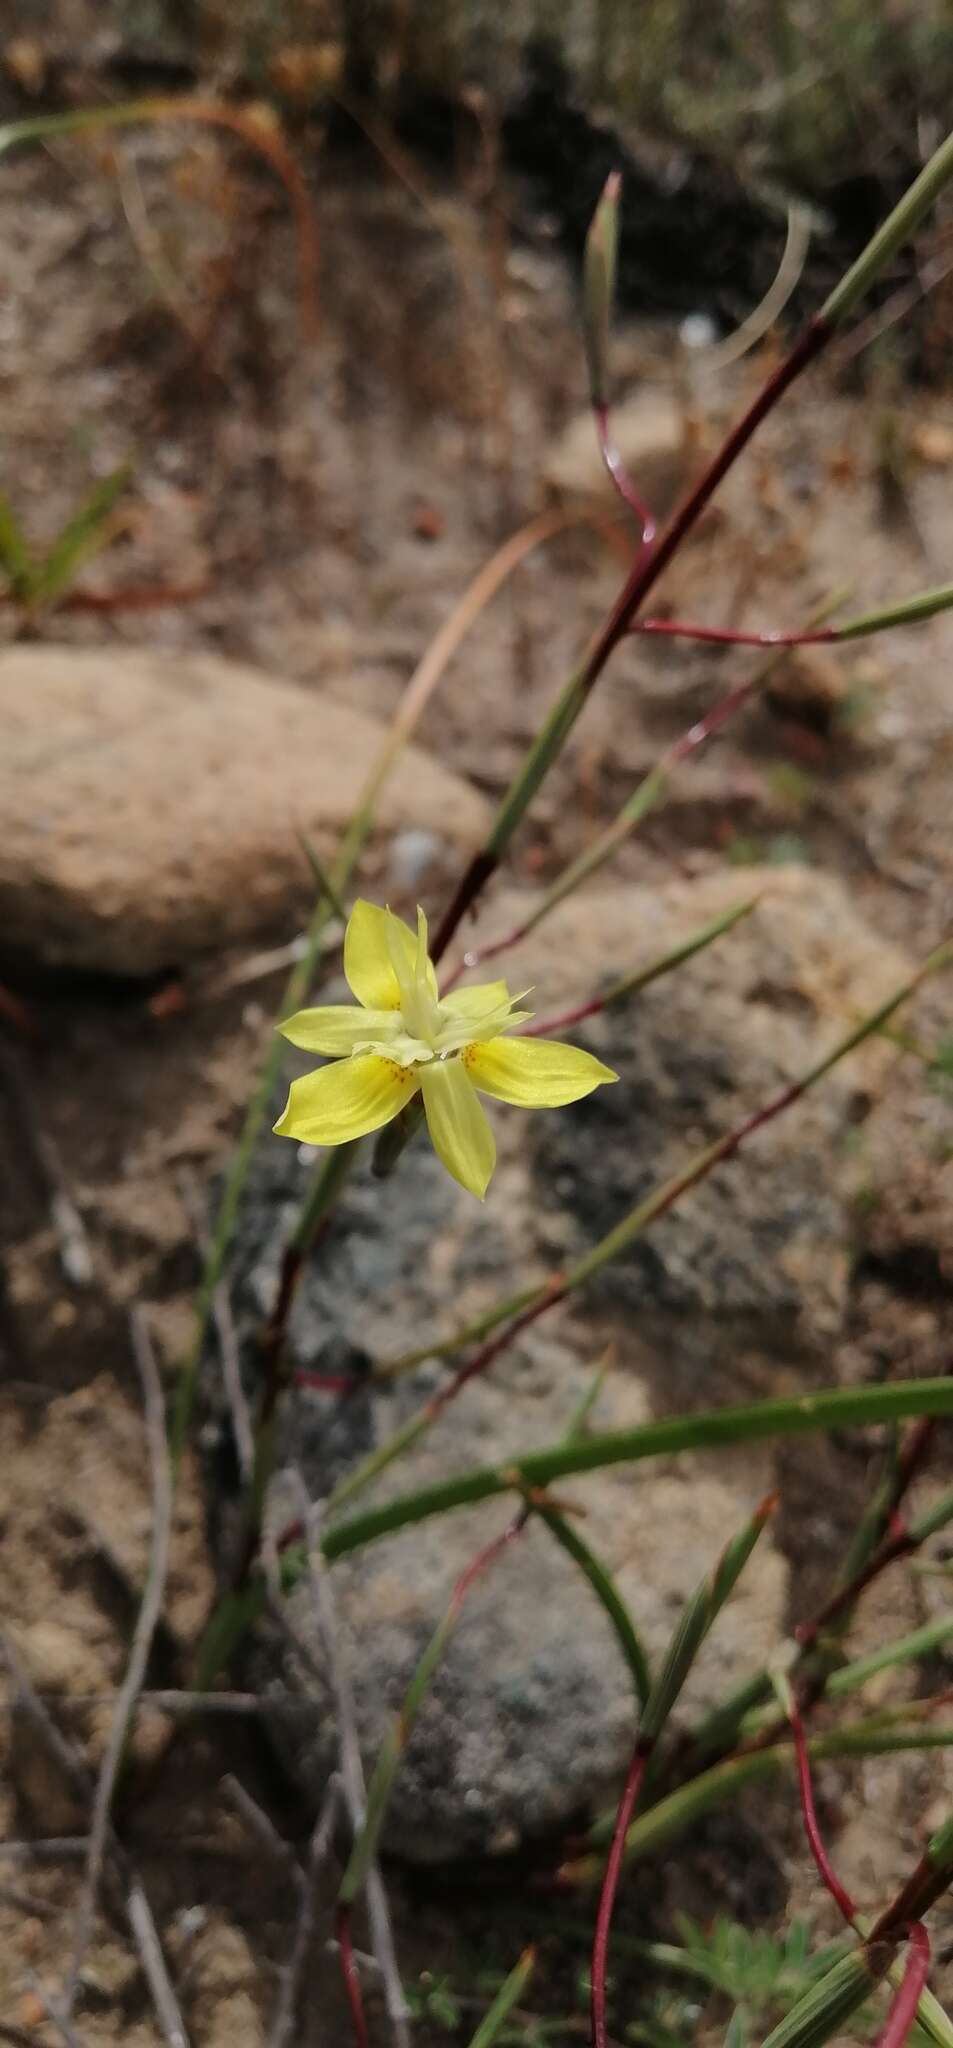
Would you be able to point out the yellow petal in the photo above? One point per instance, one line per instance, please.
(346, 1100)
(534, 1073)
(475, 1002)
(367, 962)
(338, 1028)
(367, 956)
(459, 1131)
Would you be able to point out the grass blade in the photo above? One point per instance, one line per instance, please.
(85, 535)
(507, 1996)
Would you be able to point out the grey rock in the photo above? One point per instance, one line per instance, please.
(742, 1289)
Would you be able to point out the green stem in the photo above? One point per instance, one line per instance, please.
(897, 229)
(508, 1995)
(794, 1415)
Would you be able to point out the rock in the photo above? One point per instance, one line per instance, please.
(150, 807)
(741, 1290)
(650, 433)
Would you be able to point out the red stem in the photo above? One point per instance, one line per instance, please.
(903, 2010)
(646, 573)
(564, 1022)
(352, 1982)
(484, 1558)
(725, 636)
(648, 567)
(558, 1287)
(610, 1885)
(621, 479)
(485, 1356)
(825, 1868)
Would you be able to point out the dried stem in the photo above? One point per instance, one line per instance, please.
(282, 2027)
(352, 1769)
(146, 1621)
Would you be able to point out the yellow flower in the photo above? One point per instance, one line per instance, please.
(405, 1037)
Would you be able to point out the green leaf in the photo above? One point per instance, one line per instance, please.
(505, 1999)
(16, 559)
(598, 288)
(83, 536)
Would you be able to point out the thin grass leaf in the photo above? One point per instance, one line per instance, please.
(16, 557)
(598, 288)
(695, 1621)
(85, 535)
(921, 1642)
(321, 876)
(508, 1995)
(825, 2006)
(607, 1593)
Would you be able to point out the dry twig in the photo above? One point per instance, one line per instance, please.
(227, 1339)
(143, 1633)
(291, 1975)
(56, 2013)
(352, 1770)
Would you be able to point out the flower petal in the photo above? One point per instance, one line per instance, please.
(476, 1001)
(534, 1073)
(459, 1131)
(367, 955)
(367, 963)
(339, 1027)
(346, 1100)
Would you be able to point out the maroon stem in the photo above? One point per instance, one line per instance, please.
(648, 567)
(489, 1352)
(645, 574)
(903, 2010)
(559, 1286)
(607, 1896)
(825, 1868)
(621, 479)
(725, 636)
(352, 1982)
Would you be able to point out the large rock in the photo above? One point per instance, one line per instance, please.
(150, 806)
(741, 1289)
